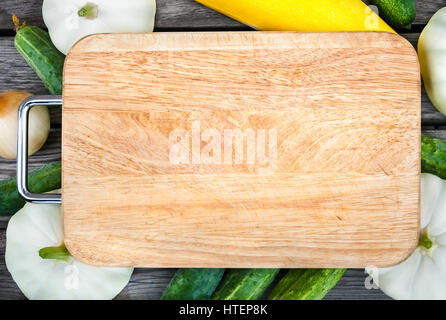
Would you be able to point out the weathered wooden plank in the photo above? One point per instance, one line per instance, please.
(21, 77)
(352, 287)
(31, 10)
(426, 9)
(148, 284)
(176, 14)
(172, 15)
(3, 222)
(145, 283)
(49, 153)
(188, 14)
(17, 75)
(441, 134)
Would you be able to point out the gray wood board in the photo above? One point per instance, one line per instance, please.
(171, 15)
(176, 14)
(18, 75)
(49, 153)
(150, 283)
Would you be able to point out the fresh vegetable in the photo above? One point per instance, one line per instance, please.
(302, 15)
(193, 284)
(432, 56)
(41, 180)
(39, 124)
(306, 284)
(397, 13)
(423, 274)
(244, 284)
(43, 268)
(35, 46)
(70, 20)
(433, 156)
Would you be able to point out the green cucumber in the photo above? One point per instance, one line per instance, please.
(244, 284)
(35, 45)
(397, 13)
(306, 284)
(44, 179)
(433, 156)
(193, 284)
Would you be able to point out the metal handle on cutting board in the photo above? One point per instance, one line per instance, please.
(22, 149)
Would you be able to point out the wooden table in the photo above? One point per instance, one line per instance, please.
(172, 15)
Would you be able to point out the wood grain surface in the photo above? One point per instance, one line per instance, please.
(341, 188)
(173, 15)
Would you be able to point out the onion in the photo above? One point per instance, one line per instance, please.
(39, 124)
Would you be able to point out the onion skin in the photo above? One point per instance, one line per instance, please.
(39, 124)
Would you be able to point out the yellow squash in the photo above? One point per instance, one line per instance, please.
(301, 15)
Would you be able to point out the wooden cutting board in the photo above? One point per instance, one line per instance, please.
(241, 149)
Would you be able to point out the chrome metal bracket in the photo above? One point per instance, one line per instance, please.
(22, 149)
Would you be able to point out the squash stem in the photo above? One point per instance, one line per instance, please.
(425, 242)
(89, 11)
(17, 24)
(57, 253)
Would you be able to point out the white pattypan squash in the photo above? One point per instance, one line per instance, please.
(423, 274)
(68, 21)
(432, 56)
(42, 267)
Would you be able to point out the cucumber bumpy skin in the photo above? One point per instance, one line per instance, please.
(193, 284)
(244, 284)
(433, 156)
(35, 45)
(397, 13)
(306, 284)
(44, 179)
